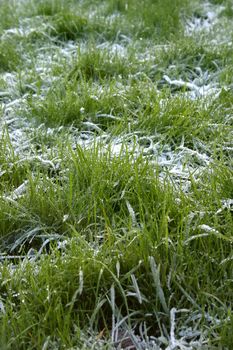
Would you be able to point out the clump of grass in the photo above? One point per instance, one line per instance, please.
(182, 60)
(49, 8)
(10, 58)
(81, 102)
(178, 120)
(70, 103)
(226, 332)
(97, 64)
(91, 195)
(228, 11)
(173, 119)
(69, 26)
(12, 171)
(162, 18)
(159, 20)
(61, 105)
(9, 14)
(155, 249)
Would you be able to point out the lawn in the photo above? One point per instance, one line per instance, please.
(116, 177)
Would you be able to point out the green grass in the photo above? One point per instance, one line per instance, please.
(158, 19)
(118, 211)
(10, 59)
(115, 175)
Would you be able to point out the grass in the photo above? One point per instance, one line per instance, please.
(10, 59)
(116, 175)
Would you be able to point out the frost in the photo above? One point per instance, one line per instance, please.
(207, 229)
(195, 90)
(226, 204)
(114, 49)
(206, 21)
(2, 307)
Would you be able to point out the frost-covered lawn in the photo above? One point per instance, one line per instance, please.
(116, 182)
